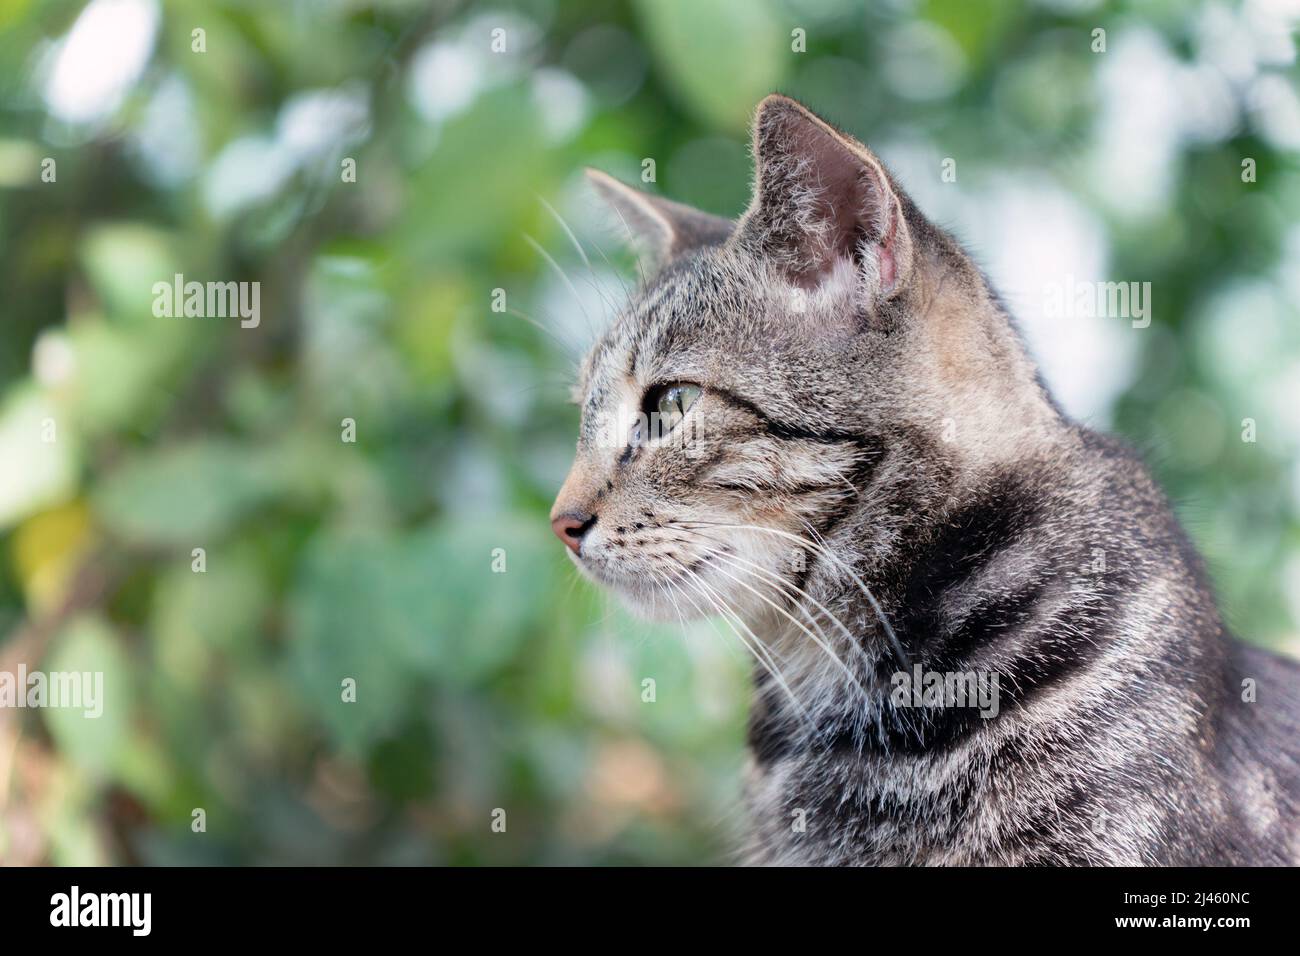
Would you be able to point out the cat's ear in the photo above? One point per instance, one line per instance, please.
(821, 197)
(660, 228)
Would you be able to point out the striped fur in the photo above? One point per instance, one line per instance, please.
(875, 479)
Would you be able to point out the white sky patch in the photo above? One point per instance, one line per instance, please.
(168, 138)
(1275, 108)
(312, 126)
(445, 78)
(316, 123)
(447, 75)
(1138, 135)
(1244, 45)
(1036, 239)
(1242, 38)
(92, 68)
(249, 170)
(1224, 40)
(562, 102)
(1153, 102)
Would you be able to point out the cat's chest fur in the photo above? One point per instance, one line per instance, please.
(1023, 800)
(1122, 736)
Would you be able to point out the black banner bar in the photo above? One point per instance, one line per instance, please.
(333, 906)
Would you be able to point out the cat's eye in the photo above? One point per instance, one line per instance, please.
(667, 405)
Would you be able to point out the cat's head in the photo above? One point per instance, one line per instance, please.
(746, 398)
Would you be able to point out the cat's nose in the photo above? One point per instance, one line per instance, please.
(570, 528)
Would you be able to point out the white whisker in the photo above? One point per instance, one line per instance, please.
(834, 560)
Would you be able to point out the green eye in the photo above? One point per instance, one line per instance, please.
(668, 404)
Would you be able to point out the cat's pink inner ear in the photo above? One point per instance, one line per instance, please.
(821, 197)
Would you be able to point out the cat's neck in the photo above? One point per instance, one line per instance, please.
(941, 572)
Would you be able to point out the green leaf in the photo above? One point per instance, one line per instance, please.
(120, 371)
(38, 456)
(184, 496)
(96, 745)
(124, 260)
(398, 615)
(199, 618)
(978, 28)
(722, 56)
(498, 148)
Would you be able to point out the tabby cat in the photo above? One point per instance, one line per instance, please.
(820, 424)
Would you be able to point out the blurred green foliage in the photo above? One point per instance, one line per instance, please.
(327, 560)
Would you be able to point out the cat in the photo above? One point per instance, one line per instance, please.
(820, 423)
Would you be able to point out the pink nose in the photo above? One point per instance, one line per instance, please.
(570, 529)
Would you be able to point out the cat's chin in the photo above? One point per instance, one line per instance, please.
(669, 606)
(658, 606)
(654, 608)
(649, 604)
(644, 601)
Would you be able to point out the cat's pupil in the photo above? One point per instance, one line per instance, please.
(673, 403)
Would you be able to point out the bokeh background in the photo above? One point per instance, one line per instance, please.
(374, 560)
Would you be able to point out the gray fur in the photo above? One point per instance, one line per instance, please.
(868, 402)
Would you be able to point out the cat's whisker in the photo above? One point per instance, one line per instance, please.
(744, 565)
(564, 277)
(874, 714)
(558, 269)
(617, 273)
(768, 665)
(712, 610)
(819, 641)
(787, 588)
(772, 654)
(761, 654)
(556, 387)
(567, 231)
(632, 244)
(594, 278)
(677, 591)
(728, 614)
(796, 595)
(837, 562)
(570, 349)
(813, 533)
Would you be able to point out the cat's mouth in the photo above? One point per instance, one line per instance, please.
(612, 574)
